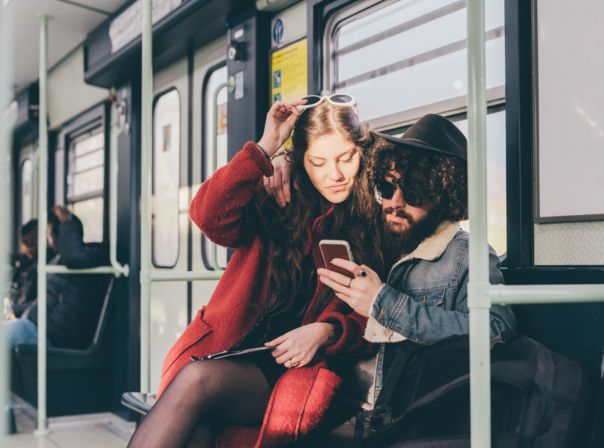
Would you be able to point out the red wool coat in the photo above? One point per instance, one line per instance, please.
(300, 396)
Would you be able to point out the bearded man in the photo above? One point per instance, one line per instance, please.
(420, 184)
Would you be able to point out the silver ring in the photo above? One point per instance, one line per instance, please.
(362, 273)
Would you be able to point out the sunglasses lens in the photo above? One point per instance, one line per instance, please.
(386, 189)
(413, 198)
(311, 100)
(341, 98)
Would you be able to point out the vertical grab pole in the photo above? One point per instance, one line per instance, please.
(5, 186)
(42, 222)
(146, 148)
(478, 299)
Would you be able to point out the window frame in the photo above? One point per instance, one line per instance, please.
(204, 134)
(96, 117)
(156, 98)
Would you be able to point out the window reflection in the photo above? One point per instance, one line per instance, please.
(166, 179)
(86, 181)
(410, 54)
(27, 202)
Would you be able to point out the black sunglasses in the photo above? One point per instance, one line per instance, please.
(411, 196)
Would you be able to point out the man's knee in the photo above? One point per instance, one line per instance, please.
(20, 331)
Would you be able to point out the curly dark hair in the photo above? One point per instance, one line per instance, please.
(287, 232)
(442, 180)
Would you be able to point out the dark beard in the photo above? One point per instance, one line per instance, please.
(397, 244)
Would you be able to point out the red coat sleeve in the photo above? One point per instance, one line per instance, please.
(351, 341)
(218, 206)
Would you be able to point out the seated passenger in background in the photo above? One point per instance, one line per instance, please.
(420, 182)
(269, 293)
(73, 300)
(23, 285)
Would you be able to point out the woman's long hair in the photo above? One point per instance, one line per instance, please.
(287, 232)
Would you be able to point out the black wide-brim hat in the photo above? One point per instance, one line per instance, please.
(433, 133)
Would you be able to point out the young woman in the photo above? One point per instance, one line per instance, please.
(269, 294)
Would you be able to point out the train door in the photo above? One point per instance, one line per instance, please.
(402, 59)
(170, 189)
(210, 151)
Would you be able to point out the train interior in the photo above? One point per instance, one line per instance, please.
(218, 65)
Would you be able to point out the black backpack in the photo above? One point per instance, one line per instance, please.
(538, 397)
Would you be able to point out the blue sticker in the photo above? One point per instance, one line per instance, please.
(278, 29)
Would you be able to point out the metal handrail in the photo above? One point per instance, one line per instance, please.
(538, 294)
(189, 276)
(5, 184)
(115, 268)
(42, 223)
(230, 85)
(146, 146)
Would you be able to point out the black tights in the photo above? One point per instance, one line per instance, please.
(204, 394)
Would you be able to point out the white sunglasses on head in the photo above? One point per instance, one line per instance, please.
(337, 99)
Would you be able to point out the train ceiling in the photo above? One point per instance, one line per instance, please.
(70, 21)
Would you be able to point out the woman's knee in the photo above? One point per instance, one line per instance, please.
(200, 378)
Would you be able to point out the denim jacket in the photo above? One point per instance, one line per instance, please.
(425, 296)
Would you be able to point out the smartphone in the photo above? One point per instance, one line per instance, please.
(331, 249)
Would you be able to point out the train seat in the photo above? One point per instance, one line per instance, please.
(87, 374)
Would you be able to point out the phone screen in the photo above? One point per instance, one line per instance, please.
(336, 249)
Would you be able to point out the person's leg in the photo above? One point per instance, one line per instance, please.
(204, 393)
(20, 331)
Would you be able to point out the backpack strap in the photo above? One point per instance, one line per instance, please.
(381, 415)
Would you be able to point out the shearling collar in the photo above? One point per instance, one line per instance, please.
(435, 245)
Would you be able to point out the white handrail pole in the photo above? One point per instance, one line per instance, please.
(6, 64)
(42, 222)
(145, 209)
(478, 286)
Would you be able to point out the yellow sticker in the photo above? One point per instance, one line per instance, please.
(289, 78)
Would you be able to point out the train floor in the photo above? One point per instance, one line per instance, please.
(90, 431)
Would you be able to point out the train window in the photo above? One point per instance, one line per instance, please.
(86, 181)
(218, 156)
(496, 179)
(27, 196)
(166, 179)
(402, 55)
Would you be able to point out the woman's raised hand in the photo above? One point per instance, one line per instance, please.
(280, 121)
(298, 347)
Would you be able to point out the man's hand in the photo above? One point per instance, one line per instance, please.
(298, 347)
(62, 213)
(278, 185)
(358, 292)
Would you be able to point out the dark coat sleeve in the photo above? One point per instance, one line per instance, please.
(76, 254)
